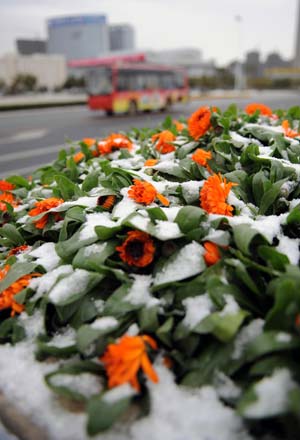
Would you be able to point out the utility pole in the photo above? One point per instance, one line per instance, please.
(239, 79)
(297, 48)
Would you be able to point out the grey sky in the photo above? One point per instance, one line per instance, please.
(210, 25)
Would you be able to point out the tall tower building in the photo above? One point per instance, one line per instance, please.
(297, 54)
(121, 37)
(76, 37)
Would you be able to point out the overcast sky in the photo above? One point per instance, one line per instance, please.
(209, 25)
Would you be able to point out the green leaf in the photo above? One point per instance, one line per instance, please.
(67, 188)
(243, 237)
(270, 196)
(93, 256)
(103, 412)
(189, 218)
(10, 231)
(224, 327)
(19, 181)
(17, 271)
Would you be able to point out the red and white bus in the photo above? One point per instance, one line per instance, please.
(127, 87)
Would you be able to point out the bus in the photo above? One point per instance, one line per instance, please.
(128, 87)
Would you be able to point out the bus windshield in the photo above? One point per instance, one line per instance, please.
(99, 81)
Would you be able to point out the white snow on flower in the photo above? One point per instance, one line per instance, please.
(218, 237)
(65, 338)
(140, 222)
(286, 163)
(131, 163)
(33, 324)
(121, 392)
(139, 293)
(165, 230)
(196, 309)
(46, 256)
(267, 128)
(289, 247)
(94, 249)
(225, 387)
(44, 283)
(171, 212)
(237, 203)
(179, 413)
(246, 335)
(88, 202)
(240, 141)
(231, 306)
(86, 384)
(105, 323)
(272, 395)
(72, 284)
(186, 263)
(283, 337)
(95, 219)
(125, 207)
(133, 330)
(191, 190)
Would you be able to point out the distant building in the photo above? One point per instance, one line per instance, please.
(253, 66)
(30, 47)
(78, 37)
(121, 37)
(189, 58)
(50, 70)
(274, 60)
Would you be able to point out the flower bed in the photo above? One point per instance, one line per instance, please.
(150, 282)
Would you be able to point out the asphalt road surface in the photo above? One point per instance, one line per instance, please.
(29, 139)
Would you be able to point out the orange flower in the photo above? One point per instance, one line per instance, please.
(7, 296)
(7, 198)
(106, 202)
(262, 108)
(137, 250)
(212, 254)
(144, 192)
(201, 157)
(289, 132)
(125, 358)
(163, 141)
(213, 195)
(179, 125)
(89, 142)
(78, 157)
(114, 142)
(6, 186)
(150, 162)
(44, 206)
(199, 122)
(18, 250)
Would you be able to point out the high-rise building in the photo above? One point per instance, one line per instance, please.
(297, 54)
(121, 37)
(77, 37)
(30, 47)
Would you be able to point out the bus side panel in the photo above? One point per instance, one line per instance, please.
(100, 102)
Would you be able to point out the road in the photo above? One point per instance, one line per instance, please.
(29, 139)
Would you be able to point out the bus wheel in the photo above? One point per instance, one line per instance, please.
(109, 112)
(132, 109)
(167, 106)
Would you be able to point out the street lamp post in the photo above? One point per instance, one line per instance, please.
(239, 79)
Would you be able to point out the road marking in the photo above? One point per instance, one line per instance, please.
(4, 114)
(25, 136)
(25, 171)
(34, 152)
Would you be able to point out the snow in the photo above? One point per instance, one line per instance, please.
(63, 339)
(139, 293)
(69, 286)
(118, 393)
(171, 212)
(191, 190)
(44, 283)
(231, 306)
(241, 141)
(187, 263)
(165, 230)
(125, 207)
(272, 395)
(105, 323)
(94, 249)
(219, 237)
(196, 309)
(283, 337)
(179, 413)
(225, 387)
(86, 384)
(88, 202)
(140, 222)
(95, 219)
(246, 335)
(289, 247)
(46, 256)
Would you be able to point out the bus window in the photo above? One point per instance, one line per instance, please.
(99, 81)
(151, 81)
(167, 81)
(179, 80)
